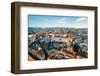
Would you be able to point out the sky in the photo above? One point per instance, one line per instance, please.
(44, 21)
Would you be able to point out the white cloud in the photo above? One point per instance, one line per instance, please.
(80, 19)
(61, 21)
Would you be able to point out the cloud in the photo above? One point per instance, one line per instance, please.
(60, 21)
(80, 19)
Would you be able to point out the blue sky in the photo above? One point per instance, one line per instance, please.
(57, 21)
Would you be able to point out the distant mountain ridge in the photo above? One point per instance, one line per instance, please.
(30, 29)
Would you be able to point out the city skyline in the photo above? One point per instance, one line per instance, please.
(46, 21)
